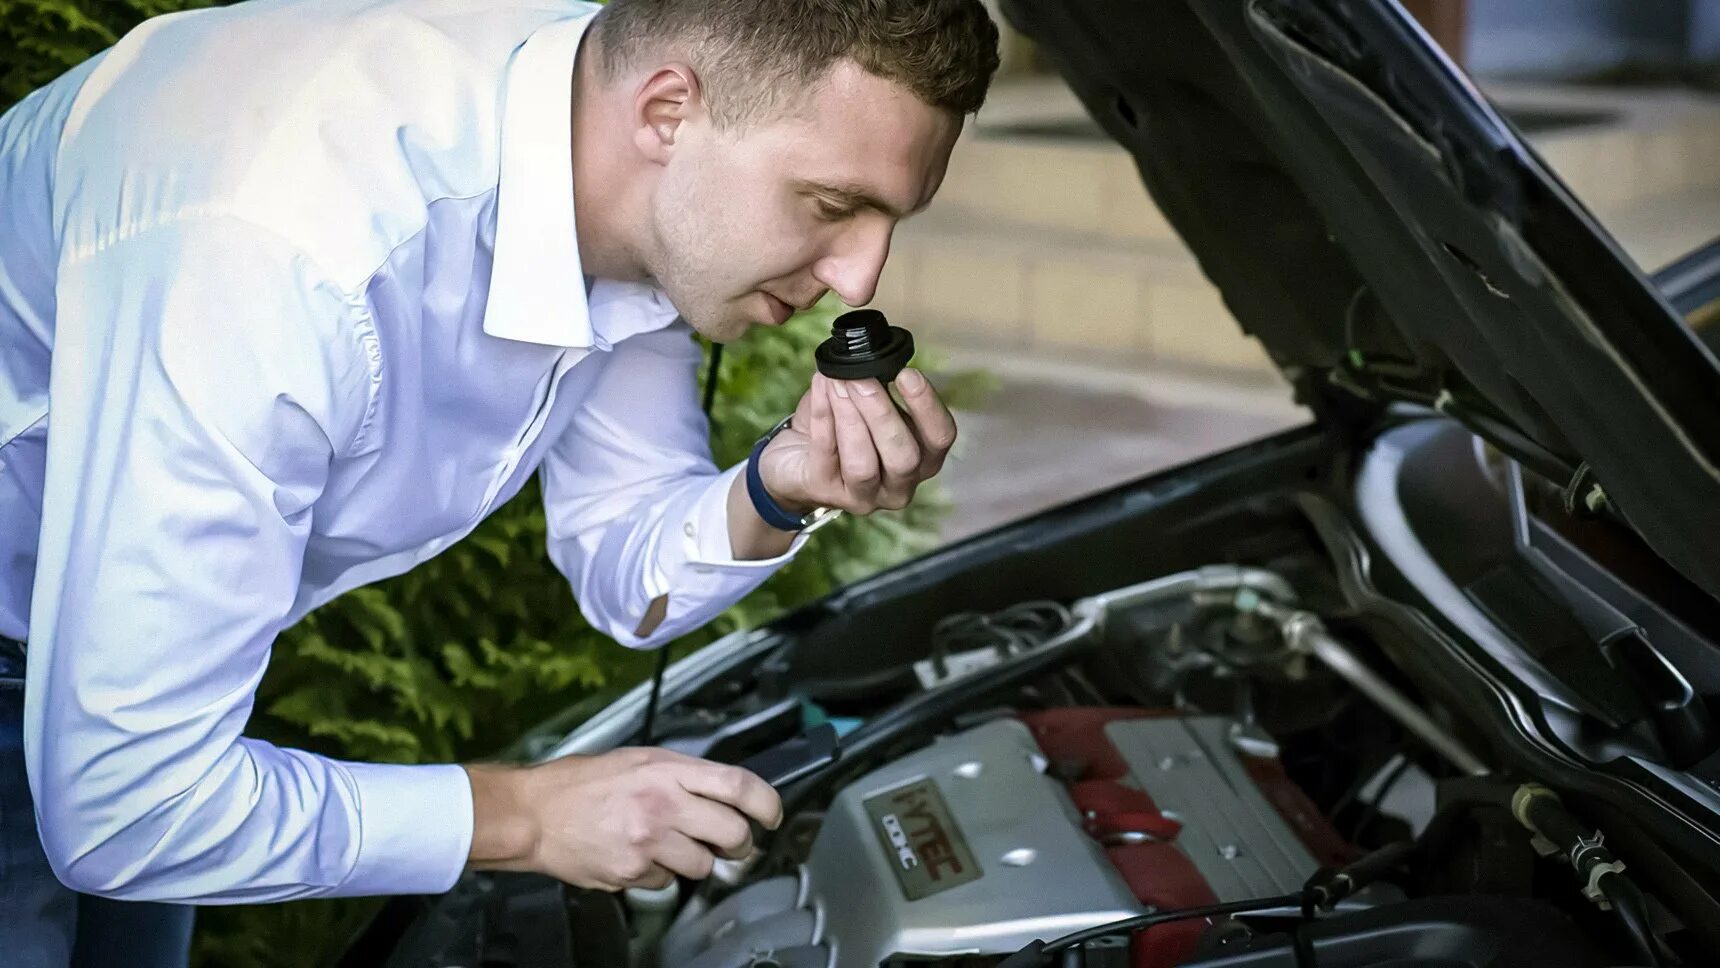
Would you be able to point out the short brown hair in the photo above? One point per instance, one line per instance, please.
(754, 56)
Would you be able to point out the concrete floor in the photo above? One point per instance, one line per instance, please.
(1056, 430)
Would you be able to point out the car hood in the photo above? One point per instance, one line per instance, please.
(1388, 236)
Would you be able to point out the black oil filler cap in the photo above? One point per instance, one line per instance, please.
(864, 345)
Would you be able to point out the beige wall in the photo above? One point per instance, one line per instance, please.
(1053, 244)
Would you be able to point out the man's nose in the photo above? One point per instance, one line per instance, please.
(852, 266)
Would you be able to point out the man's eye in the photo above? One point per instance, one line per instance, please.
(829, 211)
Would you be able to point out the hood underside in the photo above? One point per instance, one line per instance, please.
(1389, 237)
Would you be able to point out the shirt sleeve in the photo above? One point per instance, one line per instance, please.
(636, 507)
(204, 377)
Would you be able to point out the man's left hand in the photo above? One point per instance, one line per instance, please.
(849, 446)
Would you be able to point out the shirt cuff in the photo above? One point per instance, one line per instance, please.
(711, 541)
(415, 828)
(700, 540)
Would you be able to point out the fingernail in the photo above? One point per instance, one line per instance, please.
(867, 388)
(841, 387)
(911, 380)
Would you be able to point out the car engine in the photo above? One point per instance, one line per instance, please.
(1194, 770)
(1029, 827)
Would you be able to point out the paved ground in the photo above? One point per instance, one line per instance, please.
(1055, 431)
(1059, 429)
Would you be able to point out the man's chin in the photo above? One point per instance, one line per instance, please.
(724, 330)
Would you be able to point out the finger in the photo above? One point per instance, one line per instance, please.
(934, 425)
(683, 855)
(720, 827)
(861, 473)
(655, 878)
(736, 787)
(821, 434)
(803, 412)
(898, 449)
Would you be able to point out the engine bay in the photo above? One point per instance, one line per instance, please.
(1197, 764)
(1065, 808)
(1191, 743)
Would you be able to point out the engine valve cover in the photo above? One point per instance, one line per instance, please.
(1192, 774)
(975, 846)
(963, 847)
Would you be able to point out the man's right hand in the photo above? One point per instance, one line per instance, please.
(628, 818)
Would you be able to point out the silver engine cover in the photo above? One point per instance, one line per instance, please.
(1003, 861)
(968, 847)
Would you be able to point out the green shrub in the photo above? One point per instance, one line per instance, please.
(457, 658)
(42, 38)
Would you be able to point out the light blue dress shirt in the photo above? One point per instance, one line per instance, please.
(290, 300)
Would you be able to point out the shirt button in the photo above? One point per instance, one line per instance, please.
(689, 530)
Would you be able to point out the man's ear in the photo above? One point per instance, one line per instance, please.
(667, 100)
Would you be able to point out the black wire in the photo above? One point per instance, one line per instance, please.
(1304, 901)
(645, 732)
(1092, 690)
(651, 700)
(1143, 921)
(711, 380)
(1373, 807)
(1354, 790)
(1302, 946)
(924, 710)
(1010, 630)
(1628, 903)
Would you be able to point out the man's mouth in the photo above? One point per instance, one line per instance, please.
(777, 311)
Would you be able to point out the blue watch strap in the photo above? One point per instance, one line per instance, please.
(773, 513)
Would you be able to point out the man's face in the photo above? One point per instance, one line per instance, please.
(751, 223)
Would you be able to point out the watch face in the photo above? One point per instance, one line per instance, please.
(818, 519)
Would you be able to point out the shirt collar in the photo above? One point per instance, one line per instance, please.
(538, 290)
(622, 309)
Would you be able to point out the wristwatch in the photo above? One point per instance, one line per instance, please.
(773, 513)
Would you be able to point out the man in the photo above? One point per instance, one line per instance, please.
(293, 293)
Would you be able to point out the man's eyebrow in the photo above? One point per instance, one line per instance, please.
(857, 197)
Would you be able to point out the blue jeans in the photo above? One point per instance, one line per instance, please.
(43, 923)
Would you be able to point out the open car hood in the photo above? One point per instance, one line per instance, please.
(1388, 236)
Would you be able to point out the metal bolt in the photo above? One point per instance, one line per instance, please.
(1020, 857)
(1128, 837)
(1230, 852)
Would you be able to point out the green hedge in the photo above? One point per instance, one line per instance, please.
(460, 657)
(42, 38)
